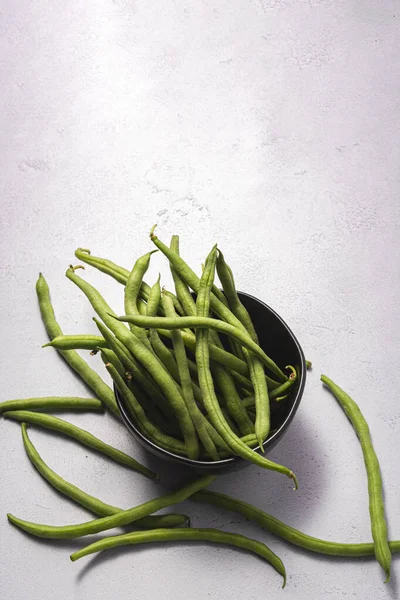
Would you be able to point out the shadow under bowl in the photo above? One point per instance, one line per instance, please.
(278, 342)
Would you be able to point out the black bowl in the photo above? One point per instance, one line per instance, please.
(278, 341)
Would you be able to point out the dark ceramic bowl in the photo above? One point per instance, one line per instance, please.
(279, 343)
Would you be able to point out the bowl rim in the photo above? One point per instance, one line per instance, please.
(270, 441)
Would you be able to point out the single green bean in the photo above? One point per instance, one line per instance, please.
(81, 435)
(132, 289)
(72, 342)
(228, 284)
(206, 323)
(146, 426)
(108, 356)
(286, 386)
(86, 500)
(104, 265)
(52, 403)
(119, 519)
(376, 504)
(206, 383)
(89, 376)
(257, 375)
(213, 536)
(286, 532)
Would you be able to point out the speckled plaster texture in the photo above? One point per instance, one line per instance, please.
(270, 127)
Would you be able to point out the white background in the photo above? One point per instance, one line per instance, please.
(271, 127)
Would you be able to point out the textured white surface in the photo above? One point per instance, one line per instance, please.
(270, 127)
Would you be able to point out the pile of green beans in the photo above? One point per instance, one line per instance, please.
(191, 392)
(181, 400)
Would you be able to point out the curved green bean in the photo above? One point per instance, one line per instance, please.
(132, 290)
(206, 383)
(89, 376)
(119, 519)
(376, 504)
(206, 323)
(185, 534)
(286, 532)
(52, 403)
(102, 264)
(81, 435)
(86, 500)
(76, 342)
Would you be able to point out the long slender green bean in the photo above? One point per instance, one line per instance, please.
(257, 375)
(92, 503)
(286, 532)
(52, 403)
(103, 265)
(376, 504)
(81, 435)
(132, 290)
(206, 383)
(119, 519)
(89, 376)
(206, 323)
(83, 342)
(213, 536)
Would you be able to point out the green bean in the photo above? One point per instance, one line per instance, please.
(153, 302)
(89, 376)
(217, 304)
(226, 385)
(76, 342)
(206, 323)
(86, 500)
(81, 435)
(205, 379)
(376, 505)
(257, 375)
(108, 356)
(119, 519)
(228, 284)
(104, 265)
(177, 305)
(140, 352)
(199, 421)
(132, 293)
(308, 365)
(286, 532)
(52, 403)
(284, 387)
(185, 534)
(182, 291)
(107, 266)
(146, 426)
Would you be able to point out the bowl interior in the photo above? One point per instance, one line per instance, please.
(278, 341)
